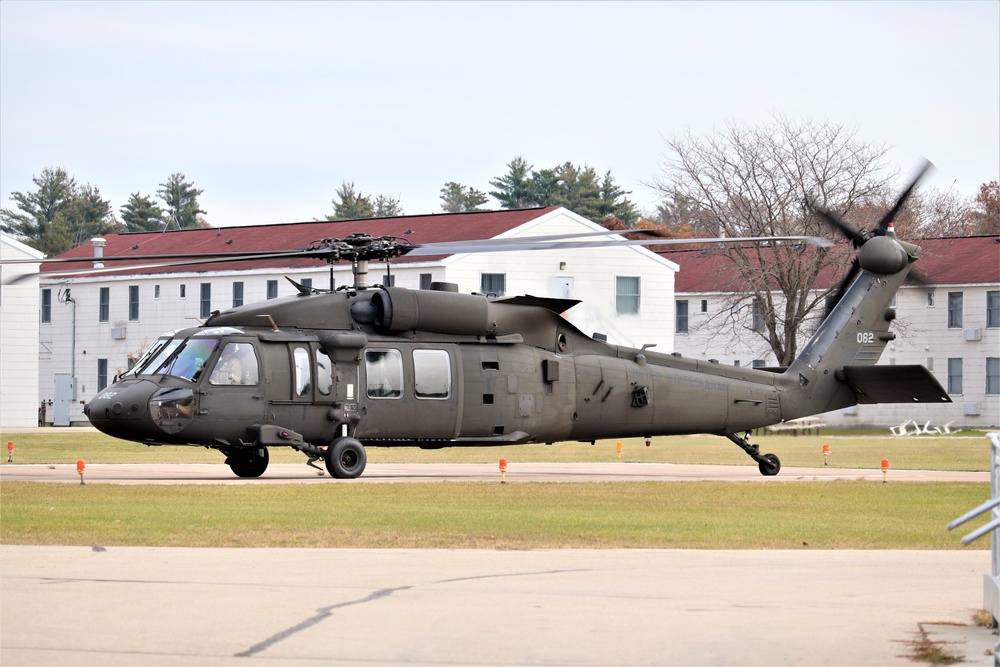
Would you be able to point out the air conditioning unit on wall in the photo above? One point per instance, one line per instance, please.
(972, 334)
(970, 409)
(117, 333)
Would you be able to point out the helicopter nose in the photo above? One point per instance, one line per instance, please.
(122, 409)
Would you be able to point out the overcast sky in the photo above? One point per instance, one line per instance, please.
(268, 107)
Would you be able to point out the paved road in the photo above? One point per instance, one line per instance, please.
(166, 606)
(207, 473)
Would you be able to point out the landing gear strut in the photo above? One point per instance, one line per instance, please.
(768, 463)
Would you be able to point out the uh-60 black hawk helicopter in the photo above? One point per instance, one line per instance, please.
(330, 373)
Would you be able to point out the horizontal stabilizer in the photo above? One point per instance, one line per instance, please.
(895, 384)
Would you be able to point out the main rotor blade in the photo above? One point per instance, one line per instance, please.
(458, 247)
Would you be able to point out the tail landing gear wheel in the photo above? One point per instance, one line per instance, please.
(771, 466)
(345, 458)
(247, 461)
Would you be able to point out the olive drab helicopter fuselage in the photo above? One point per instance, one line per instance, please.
(330, 373)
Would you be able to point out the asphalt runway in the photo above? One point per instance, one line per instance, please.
(175, 606)
(293, 473)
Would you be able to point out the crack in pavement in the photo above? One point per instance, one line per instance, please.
(325, 612)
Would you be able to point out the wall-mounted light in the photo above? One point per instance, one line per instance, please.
(562, 266)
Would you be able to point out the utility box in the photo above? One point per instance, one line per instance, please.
(65, 394)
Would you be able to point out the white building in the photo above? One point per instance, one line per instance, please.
(951, 325)
(109, 319)
(18, 336)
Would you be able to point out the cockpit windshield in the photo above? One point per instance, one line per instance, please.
(183, 358)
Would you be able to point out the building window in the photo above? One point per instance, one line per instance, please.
(627, 295)
(182, 292)
(757, 317)
(307, 282)
(493, 283)
(102, 374)
(681, 316)
(757, 363)
(930, 299)
(46, 306)
(954, 310)
(993, 309)
(156, 291)
(992, 375)
(133, 303)
(389, 280)
(704, 305)
(425, 280)
(104, 305)
(272, 289)
(237, 294)
(206, 300)
(954, 376)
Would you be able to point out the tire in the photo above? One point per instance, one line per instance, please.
(247, 461)
(771, 467)
(345, 458)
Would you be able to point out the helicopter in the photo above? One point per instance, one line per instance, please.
(332, 372)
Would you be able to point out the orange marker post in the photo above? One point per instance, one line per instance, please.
(826, 454)
(10, 451)
(885, 470)
(79, 468)
(503, 471)
(619, 450)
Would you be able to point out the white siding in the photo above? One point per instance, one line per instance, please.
(18, 338)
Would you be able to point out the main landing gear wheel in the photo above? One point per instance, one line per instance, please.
(247, 461)
(345, 458)
(770, 466)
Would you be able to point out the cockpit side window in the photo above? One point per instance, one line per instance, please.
(236, 365)
(385, 373)
(324, 373)
(303, 379)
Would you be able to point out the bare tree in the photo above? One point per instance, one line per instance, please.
(756, 181)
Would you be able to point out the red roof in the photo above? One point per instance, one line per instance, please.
(944, 261)
(295, 236)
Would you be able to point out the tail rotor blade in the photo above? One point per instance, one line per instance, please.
(883, 224)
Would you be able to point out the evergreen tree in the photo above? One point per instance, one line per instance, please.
(515, 189)
(352, 205)
(141, 214)
(458, 198)
(180, 200)
(59, 214)
(387, 207)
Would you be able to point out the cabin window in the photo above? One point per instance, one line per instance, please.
(627, 295)
(993, 309)
(493, 283)
(303, 372)
(384, 369)
(236, 365)
(954, 310)
(954, 376)
(46, 306)
(133, 303)
(431, 373)
(104, 304)
(324, 373)
(681, 316)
